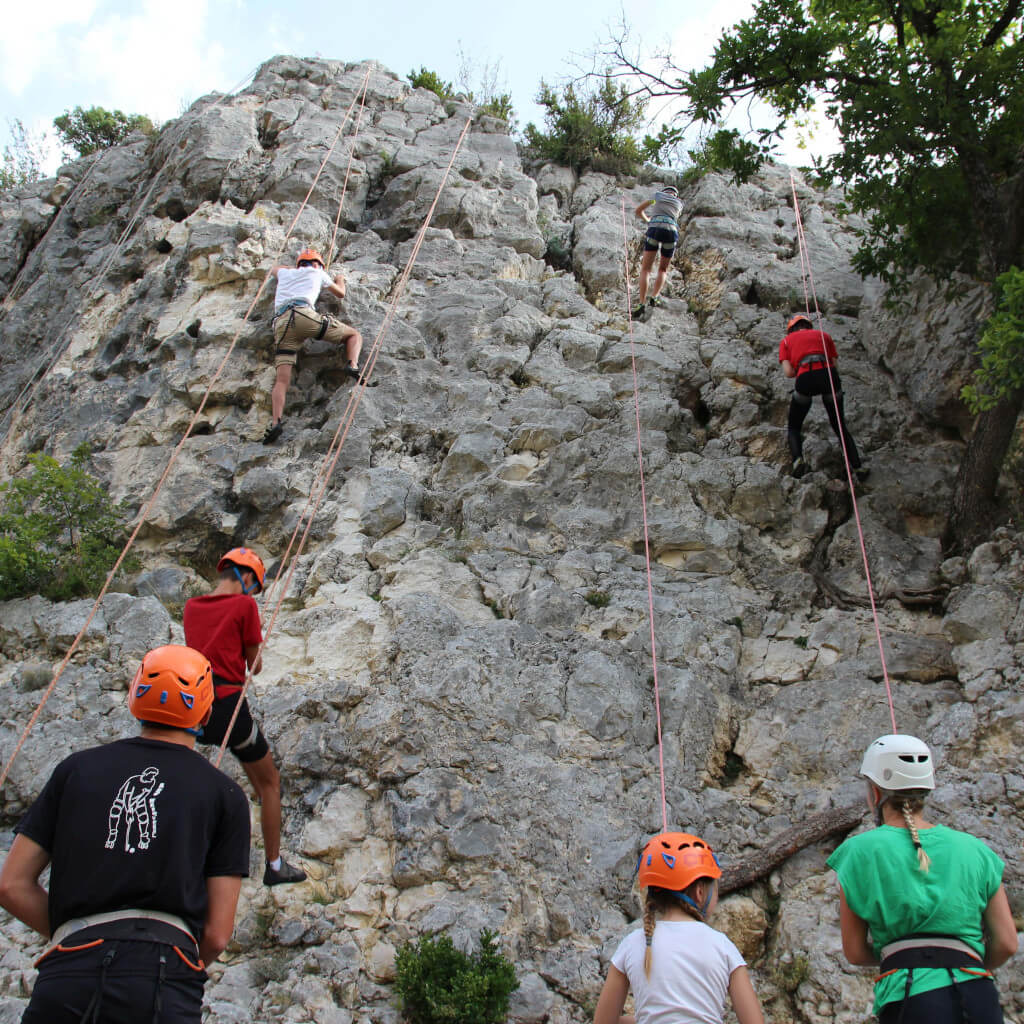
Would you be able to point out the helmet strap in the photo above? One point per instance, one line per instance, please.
(245, 589)
(691, 903)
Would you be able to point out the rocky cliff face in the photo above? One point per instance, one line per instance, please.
(459, 690)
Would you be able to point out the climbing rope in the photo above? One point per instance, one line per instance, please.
(643, 510)
(340, 435)
(61, 341)
(174, 456)
(812, 296)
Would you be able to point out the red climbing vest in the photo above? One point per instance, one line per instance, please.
(807, 350)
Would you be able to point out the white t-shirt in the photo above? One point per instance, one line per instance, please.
(690, 973)
(295, 283)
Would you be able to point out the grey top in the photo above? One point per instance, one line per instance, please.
(666, 206)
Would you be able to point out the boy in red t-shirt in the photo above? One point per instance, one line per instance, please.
(810, 356)
(225, 626)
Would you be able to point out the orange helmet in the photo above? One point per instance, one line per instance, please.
(174, 686)
(675, 860)
(244, 558)
(797, 319)
(309, 254)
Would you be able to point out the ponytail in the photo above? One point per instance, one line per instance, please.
(650, 907)
(907, 806)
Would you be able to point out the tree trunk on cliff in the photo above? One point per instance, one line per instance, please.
(973, 512)
(816, 828)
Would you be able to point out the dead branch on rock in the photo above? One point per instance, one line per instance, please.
(835, 821)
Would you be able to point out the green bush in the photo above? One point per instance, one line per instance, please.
(595, 130)
(439, 984)
(424, 79)
(87, 131)
(59, 531)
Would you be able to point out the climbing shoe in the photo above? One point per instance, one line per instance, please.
(638, 313)
(353, 371)
(284, 875)
(799, 468)
(273, 432)
(862, 473)
(654, 301)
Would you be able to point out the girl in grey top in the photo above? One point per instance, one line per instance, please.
(661, 214)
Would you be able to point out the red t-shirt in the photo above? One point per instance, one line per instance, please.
(804, 343)
(221, 626)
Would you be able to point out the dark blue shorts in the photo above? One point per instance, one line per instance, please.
(663, 237)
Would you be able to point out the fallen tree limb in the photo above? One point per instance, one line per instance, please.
(817, 827)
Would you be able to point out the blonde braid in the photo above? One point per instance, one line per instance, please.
(649, 922)
(924, 862)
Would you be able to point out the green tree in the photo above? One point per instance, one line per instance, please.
(596, 129)
(22, 159)
(928, 99)
(87, 131)
(59, 531)
(439, 984)
(1001, 347)
(424, 79)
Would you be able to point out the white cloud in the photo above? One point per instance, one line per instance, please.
(147, 60)
(31, 39)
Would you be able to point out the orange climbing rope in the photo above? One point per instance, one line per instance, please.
(340, 435)
(808, 282)
(643, 510)
(174, 456)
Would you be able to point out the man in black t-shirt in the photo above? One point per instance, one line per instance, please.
(148, 845)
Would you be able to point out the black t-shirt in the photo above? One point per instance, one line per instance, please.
(139, 823)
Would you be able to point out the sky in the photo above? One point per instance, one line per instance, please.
(155, 57)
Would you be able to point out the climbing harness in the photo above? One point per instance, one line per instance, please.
(647, 539)
(319, 488)
(810, 294)
(147, 508)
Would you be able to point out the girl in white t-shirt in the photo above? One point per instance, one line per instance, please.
(678, 968)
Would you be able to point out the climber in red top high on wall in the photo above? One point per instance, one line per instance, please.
(296, 319)
(810, 356)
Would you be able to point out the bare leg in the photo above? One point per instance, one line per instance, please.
(645, 269)
(281, 384)
(353, 346)
(659, 281)
(266, 780)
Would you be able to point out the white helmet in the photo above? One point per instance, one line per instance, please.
(897, 762)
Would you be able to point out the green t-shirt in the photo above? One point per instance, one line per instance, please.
(884, 886)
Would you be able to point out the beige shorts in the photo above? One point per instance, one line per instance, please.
(297, 324)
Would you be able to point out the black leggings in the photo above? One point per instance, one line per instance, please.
(968, 1002)
(805, 387)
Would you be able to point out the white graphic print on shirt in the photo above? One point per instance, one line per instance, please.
(136, 800)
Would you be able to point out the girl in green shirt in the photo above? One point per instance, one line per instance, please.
(931, 898)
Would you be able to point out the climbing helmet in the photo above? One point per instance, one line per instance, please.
(173, 686)
(897, 761)
(307, 256)
(244, 558)
(675, 860)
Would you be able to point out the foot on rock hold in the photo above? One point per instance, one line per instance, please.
(284, 875)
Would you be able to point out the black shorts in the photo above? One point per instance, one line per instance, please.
(663, 237)
(247, 741)
(141, 982)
